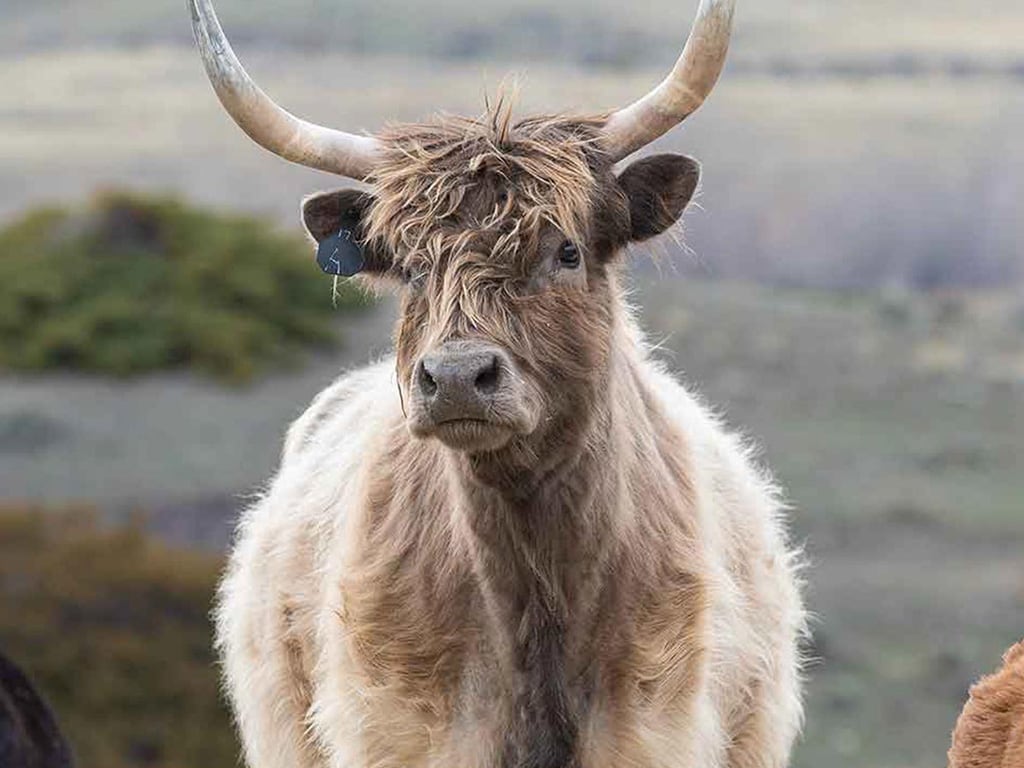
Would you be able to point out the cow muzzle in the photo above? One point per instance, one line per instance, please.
(470, 395)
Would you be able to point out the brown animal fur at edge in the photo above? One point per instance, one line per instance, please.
(990, 731)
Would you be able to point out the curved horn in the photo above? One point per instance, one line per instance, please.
(266, 123)
(683, 91)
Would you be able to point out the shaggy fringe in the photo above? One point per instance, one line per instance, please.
(545, 164)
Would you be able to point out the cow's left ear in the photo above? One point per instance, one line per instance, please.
(658, 188)
(326, 214)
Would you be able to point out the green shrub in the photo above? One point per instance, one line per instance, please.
(133, 284)
(114, 628)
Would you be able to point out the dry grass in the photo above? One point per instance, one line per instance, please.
(114, 628)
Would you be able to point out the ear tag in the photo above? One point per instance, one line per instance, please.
(340, 254)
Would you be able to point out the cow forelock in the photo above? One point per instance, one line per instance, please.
(470, 212)
(440, 185)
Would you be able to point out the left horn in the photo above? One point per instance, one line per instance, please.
(267, 124)
(683, 91)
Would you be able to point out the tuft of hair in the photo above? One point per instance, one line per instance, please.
(543, 166)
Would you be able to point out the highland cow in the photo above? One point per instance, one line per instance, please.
(518, 542)
(990, 731)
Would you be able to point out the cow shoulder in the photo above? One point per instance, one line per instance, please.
(269, 602)
(352, 397)
(327, 454)
(751, 570)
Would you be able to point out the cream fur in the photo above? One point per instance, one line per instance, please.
(357, 639)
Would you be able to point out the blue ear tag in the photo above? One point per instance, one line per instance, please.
(340, 254)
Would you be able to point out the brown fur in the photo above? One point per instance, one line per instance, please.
(990, 731)
(611, 588)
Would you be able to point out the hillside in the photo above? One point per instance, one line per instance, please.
(582, 31)
(832, 181)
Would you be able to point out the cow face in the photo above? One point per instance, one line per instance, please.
(503, 239)
(502, 234)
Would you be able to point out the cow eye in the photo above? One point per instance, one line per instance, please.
(568, 255)
(415, 279)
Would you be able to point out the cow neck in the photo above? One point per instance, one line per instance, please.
(535, 525)
(542, 540)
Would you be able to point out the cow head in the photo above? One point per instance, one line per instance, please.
(503, 235)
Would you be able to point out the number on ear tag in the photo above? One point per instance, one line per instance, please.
(340, 254)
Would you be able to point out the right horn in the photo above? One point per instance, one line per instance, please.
(266, 123)
(683, 91)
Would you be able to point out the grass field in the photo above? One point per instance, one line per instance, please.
(895, 421)
(114, 628)
(894, 418)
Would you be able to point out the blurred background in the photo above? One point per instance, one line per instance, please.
(851, 294)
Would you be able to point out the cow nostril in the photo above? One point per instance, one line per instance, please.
(486, 381)
(426, 382)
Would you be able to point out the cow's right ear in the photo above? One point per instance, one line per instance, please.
(326, 213)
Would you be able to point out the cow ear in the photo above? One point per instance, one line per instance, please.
(658, 188)
(326, 213)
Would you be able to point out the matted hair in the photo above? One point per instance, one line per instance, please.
(544, 165)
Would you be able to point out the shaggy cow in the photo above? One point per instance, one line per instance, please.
(29, 736)
(518, 542)
(990, 732)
